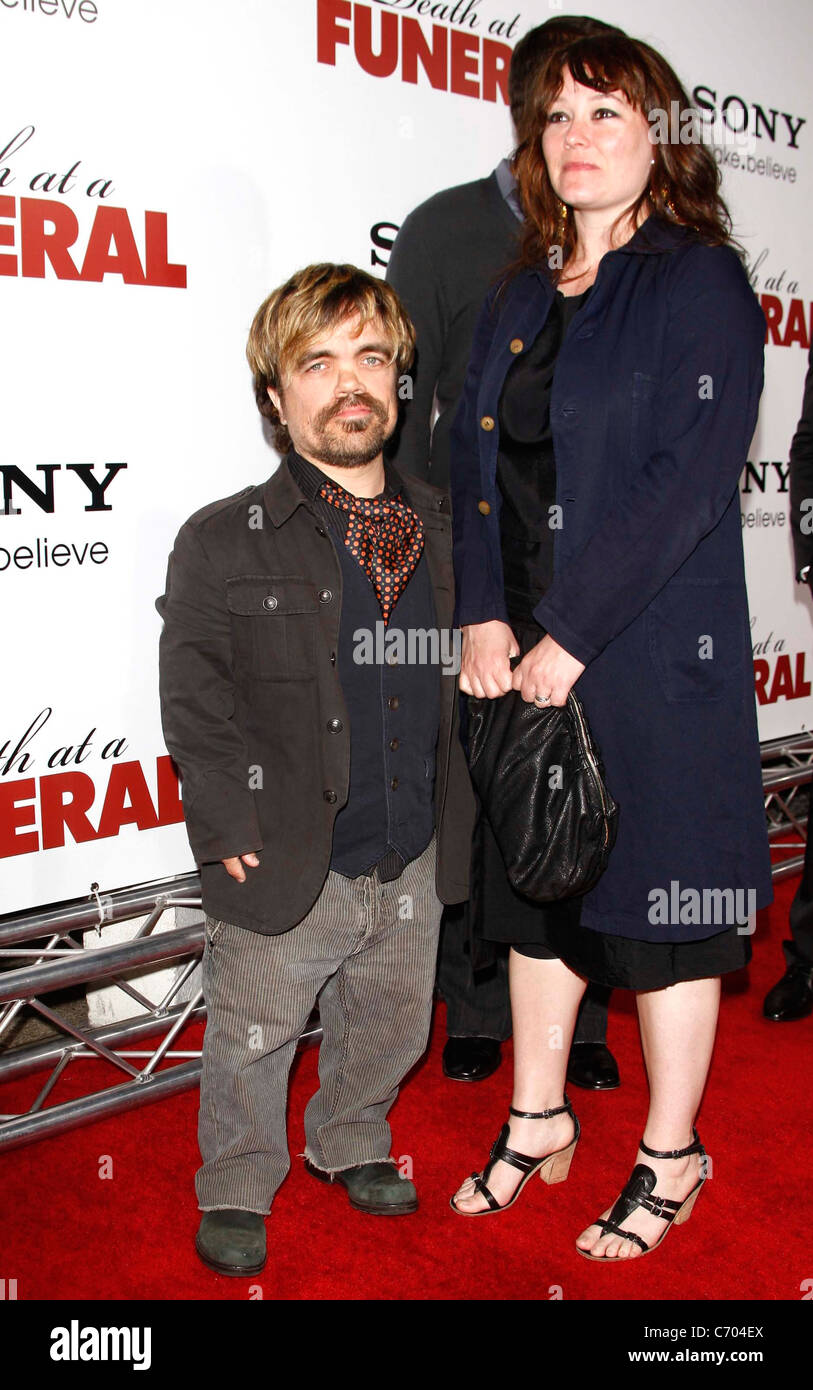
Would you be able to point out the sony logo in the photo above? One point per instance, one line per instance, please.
(43, 497)
(743, 118)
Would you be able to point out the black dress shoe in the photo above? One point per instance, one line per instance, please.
(792, 997)
(471, 1059)
(593, 1066)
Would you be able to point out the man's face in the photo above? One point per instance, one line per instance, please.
(340, 402)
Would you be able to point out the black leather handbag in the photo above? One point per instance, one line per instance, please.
(540, 780)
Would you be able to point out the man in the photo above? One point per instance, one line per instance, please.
(446, 257)
(792, 997)
(326, 795)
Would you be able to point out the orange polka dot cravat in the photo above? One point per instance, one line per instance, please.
(386, 537)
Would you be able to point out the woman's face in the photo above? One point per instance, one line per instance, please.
(596, 148)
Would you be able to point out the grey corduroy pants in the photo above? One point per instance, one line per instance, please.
(367, 951)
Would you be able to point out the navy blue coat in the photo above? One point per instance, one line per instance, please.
(653, 406)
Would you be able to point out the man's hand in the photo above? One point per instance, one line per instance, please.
(547, 669)
(484, 668)
(235, 868)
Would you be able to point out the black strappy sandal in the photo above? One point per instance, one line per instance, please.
(639, 1192)
(551, 1167)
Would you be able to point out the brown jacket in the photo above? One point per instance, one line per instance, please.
(249, 685)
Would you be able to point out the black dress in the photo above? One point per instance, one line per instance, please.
(526, 476)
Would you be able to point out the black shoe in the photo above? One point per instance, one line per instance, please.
(471, 1059)
(593, 1066)
(792, 997)
(232, 1241)
(376, 1188)
(552, 1167)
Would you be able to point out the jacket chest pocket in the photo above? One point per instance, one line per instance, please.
(274, 620)
(642, 402)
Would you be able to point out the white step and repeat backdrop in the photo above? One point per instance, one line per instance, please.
(163, 164)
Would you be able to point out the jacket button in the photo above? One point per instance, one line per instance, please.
(270, 603)
(484, 507)
(393, 702)
(392, 659)
(394, 784)
(335, 726)
(325, 595)
(487, 423)
(329, 796)
(516, 345)
(393, 744)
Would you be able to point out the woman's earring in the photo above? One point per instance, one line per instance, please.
(561, 223)
(667, 200)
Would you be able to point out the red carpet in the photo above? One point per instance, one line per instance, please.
(67, 1233)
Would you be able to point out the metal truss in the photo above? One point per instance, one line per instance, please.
(787, 771)
(62, 962)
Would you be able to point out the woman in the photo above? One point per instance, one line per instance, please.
(611, 397)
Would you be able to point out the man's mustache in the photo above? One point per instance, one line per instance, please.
(358, 398)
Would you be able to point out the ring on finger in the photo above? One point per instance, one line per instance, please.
(542, 699)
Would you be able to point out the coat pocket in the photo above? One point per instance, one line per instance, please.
(274, 620)
(696, 633)
(641, 416)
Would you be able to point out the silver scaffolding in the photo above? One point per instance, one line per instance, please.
(62, 962)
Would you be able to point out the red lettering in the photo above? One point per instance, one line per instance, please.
(8, 264)
(17, 809)
(170, 805)
(57, 813)
(761, 673)
(796, 328)
(111, 227)
(772, 309)
(37, 243)
(328, 31)
(801, 686)
(496, 62)
(381, 64)
(126, 780)
(464, 74)
(159, 269)
(433, 59)
(782, 684)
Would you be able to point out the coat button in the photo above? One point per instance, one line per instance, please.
(325, 595)
(392, 659)
(484, 507)
(393, 702)
(393, 744)
(335, 726)
(270, 603)
(487, 423)
(329, 796)
(516, 345)
(394, 784)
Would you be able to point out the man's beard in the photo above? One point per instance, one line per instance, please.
(362, 437)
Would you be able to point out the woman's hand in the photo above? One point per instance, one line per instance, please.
(546, 670)
(484, 668)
